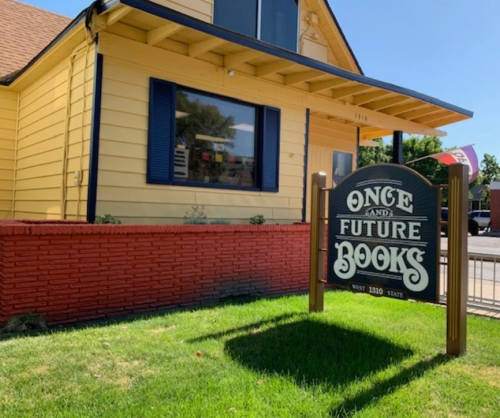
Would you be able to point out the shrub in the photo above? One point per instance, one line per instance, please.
(257, 220)
(196, 216)
(23, 323)
(107, 219)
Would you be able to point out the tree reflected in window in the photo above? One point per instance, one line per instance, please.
(215, 140)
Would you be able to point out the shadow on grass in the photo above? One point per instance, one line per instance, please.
(315, 353)
(372, 396)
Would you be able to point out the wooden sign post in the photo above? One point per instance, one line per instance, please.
(384, 239)
(317, 256)
(458, 261)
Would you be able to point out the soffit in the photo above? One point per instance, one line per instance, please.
(163, 28)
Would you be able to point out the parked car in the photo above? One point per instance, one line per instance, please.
(473, 226)
(482, 217)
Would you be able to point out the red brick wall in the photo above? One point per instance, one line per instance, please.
(75, 272)
(495, 210)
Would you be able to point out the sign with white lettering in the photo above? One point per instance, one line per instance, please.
(383, 232)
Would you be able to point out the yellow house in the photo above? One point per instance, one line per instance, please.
(143, 109)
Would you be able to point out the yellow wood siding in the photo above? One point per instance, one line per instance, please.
(8, 118)
(54, 116)
(200, 9)
(312, 40)
(326, 137)
(122, 189)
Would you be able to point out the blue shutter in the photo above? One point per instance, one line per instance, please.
(270, 155)
(161, 132)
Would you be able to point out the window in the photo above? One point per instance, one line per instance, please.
(214, 141)
(273, 21)
(205, 140)
(237, 15)
(279, 23)
(342, 166)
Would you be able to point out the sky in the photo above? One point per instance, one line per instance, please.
(447, 49)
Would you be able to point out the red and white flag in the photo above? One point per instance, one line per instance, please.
(464, 155)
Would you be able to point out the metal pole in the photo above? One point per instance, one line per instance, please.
(397, 147)
(456, 313)
(358, 141)
(317, 264)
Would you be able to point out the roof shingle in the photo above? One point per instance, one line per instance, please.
(25, 31)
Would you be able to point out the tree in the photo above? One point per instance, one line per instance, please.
(373, 155)
(197, 117)
(486, 199)
(413, 148)
(490, 168)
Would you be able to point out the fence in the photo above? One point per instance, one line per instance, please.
(484, 285)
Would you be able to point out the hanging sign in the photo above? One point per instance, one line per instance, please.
(383, 234)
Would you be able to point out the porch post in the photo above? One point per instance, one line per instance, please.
(357, 146)
(397, 147)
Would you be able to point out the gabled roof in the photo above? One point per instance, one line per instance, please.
(25, 31)
(477, 191)
(345, 51)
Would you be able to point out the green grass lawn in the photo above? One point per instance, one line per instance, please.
(363, 357)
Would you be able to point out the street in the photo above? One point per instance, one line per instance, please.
(482, 244)
(484, 283)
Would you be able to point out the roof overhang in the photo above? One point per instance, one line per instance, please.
(376, 107)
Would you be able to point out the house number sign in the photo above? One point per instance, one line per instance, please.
(383, 234)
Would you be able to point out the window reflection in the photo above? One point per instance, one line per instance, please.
(237, 15)
(342, 166)
(279, 23)
(215, 140)
(278, 20)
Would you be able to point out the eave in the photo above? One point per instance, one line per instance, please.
(61, 47)
(377, 107)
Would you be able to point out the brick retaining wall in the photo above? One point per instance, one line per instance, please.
(75, 272)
